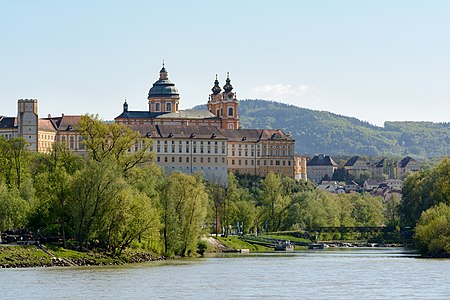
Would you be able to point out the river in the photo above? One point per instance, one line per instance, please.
(372, 273)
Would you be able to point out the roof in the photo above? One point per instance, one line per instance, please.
(63, 123)
(46, 125)
(178, 131)
(139, 115)
(254, 135)
(382, 163)
(405, 161)
(8, 122)
(163, 87)
(190, 114)
(182, 114)
(321, 160)
(352, 161)
(275, 134)
(241, 135)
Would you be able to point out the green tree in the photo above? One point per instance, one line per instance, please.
(433, 231)
(53, 189)
(275, 202)
(424, 190)
(391, 209)
(368, 210)
(130, 217)
(232, 195)
(13, 209)
(216, 193)
(183, 204)
(114, 141)
(94, 190)
(14, 158)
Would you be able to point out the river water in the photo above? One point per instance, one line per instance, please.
(386, 273)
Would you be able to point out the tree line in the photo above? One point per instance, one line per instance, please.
(114, 198)
(277, 203)
(425, 206)
(110, 200)
(325, 132)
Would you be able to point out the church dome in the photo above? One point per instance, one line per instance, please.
(163, 87)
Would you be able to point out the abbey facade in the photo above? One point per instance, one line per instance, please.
(189, 141)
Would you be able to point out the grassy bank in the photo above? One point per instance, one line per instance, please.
(236, 243)
(23, 256)
(53, 255)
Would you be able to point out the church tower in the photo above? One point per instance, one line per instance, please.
(224, 104)
(163, 97)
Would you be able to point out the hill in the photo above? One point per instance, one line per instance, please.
(325, 132)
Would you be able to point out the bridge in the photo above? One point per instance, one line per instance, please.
(350, 229)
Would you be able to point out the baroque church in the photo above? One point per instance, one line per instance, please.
(189, 141)
(163, 101)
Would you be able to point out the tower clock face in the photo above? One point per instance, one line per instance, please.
(230, 96)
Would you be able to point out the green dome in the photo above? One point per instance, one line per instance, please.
(163, 87)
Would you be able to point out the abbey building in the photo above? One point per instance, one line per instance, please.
(207, 141)
(163, 100)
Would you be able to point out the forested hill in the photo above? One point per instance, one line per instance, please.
(328, 133)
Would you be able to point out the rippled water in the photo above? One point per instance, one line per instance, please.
(326, 274)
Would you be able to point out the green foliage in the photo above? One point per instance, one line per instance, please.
(424, 190)
(183, 204)
(324, 132)
(201, 247)
(275, 200)
(234, 242)
(391, 211)
(13, 209)
(433, 231)
(113, 141)
(14, 159)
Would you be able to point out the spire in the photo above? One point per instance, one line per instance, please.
(216, 88)
(163, 74)
(228, 87)
(125, 105)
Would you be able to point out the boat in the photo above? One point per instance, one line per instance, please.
(284, 246)
(316, 246)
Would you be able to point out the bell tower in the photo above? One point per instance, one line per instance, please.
(224, 104)
(163, 97)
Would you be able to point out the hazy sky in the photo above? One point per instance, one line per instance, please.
(374, 60)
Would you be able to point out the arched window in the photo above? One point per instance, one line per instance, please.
(157, 106)
(169, 106)
(230, 126)
(230, 111)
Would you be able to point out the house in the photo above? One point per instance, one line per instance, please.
(42, 133)
(407, 166)
(320, 166)
(357, 166)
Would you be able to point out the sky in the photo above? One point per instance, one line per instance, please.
(376, 60)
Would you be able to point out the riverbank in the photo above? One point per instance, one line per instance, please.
(52, 256)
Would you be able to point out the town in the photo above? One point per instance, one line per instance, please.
(211, 142)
